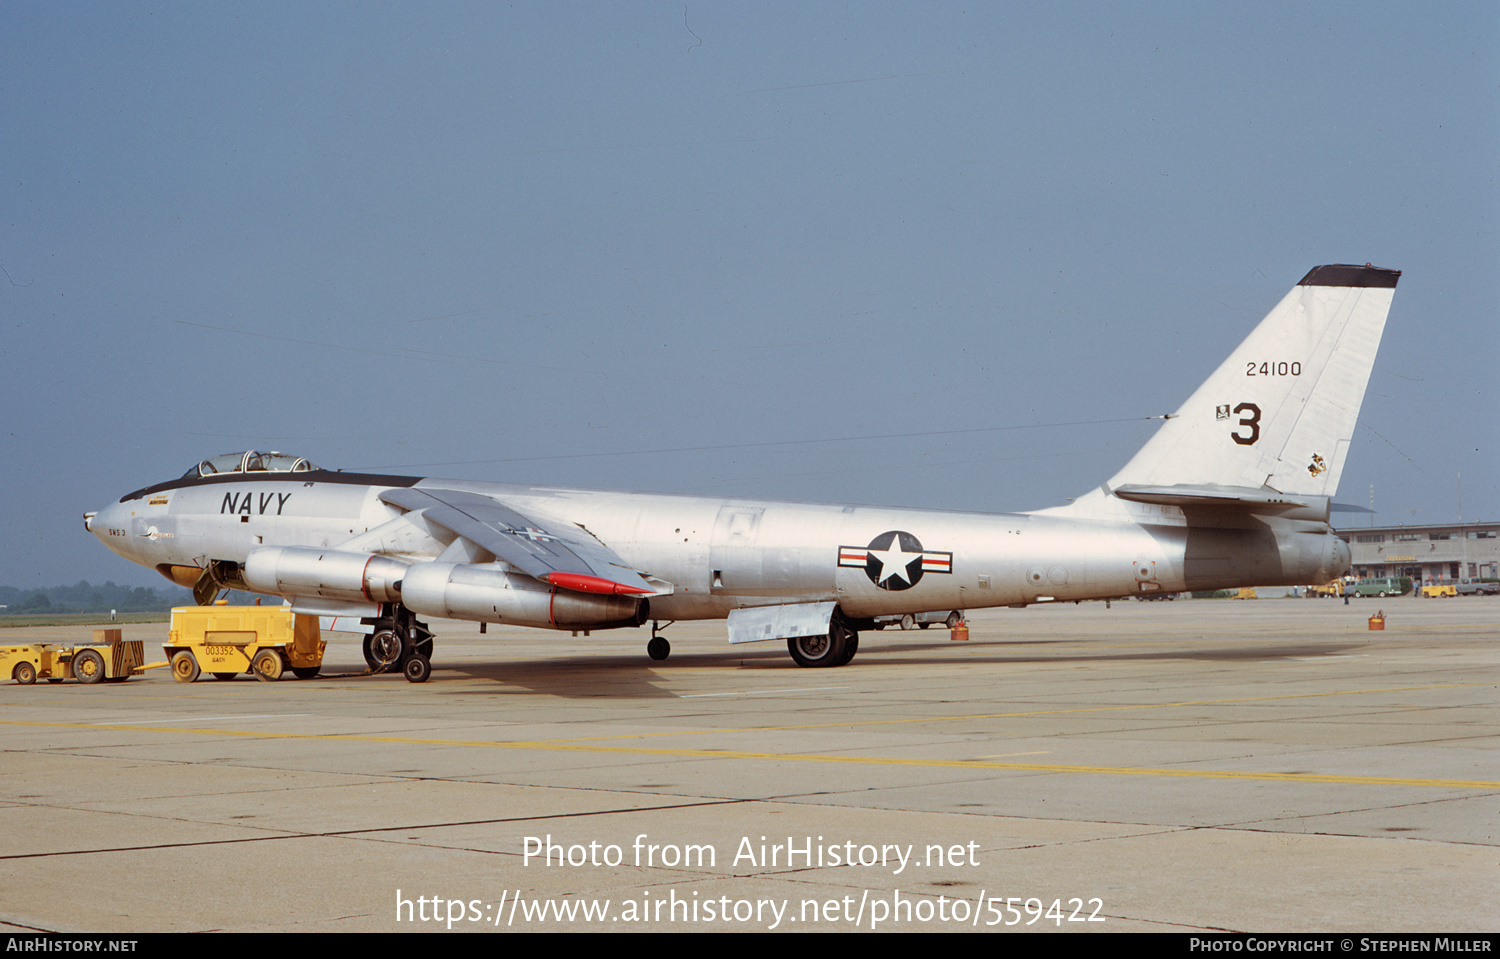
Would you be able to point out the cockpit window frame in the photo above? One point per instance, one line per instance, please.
(251, 461)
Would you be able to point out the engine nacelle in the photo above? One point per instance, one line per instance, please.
(496, 595)
(330, 573)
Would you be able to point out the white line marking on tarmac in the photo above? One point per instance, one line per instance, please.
(762, 692)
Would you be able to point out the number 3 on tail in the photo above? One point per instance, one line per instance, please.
(1251, 420)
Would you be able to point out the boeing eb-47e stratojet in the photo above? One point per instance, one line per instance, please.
(1233, 490)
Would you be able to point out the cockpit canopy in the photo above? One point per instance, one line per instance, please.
(250, 461)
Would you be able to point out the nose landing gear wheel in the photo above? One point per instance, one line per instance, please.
(383, 650)
(658, 648)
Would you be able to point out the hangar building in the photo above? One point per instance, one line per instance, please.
(1426, 553)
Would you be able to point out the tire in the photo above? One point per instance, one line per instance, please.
(88, 666)
(384, 649)
(185, 667)
(306, 672)
(658, 648)
(923, 625)
(954, 618)
(825, 649)
(417, 669)
(24, 673)
(850, 648)
(267, 666)
(908, 621)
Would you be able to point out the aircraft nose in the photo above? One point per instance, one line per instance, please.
(109, 524)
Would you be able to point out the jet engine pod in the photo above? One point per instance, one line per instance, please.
(495, 594)
(331, 573)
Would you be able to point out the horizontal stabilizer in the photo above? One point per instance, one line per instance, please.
(1241, 499)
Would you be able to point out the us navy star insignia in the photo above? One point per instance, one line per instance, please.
(533, 534)
(895, 560)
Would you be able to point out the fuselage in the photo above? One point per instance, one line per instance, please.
(719, 555)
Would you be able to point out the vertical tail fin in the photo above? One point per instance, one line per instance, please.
(1280, 412)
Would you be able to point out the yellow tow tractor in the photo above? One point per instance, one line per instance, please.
(228, 641)
(107, 657)
(1331, 590)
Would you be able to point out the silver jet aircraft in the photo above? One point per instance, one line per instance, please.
(1233, 490)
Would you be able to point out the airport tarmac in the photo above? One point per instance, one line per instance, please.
(1259, 766)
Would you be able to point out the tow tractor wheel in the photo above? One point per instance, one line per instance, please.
(417, 669)
(184, 666)
(88, 666)
(267, 666)
(658, 648)
(24, 673)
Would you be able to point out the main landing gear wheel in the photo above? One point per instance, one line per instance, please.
(185, 668)
(658, 648)
(850, 648)
(834, 648)
(88, 666)
(417, 669)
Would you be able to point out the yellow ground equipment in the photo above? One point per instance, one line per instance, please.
(1436, 590)
(229, 640)
(107, 657)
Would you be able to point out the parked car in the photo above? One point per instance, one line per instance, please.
(948, 617)
(1382, 587)
(1478, 587)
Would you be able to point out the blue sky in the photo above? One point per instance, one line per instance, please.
(664, 246)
